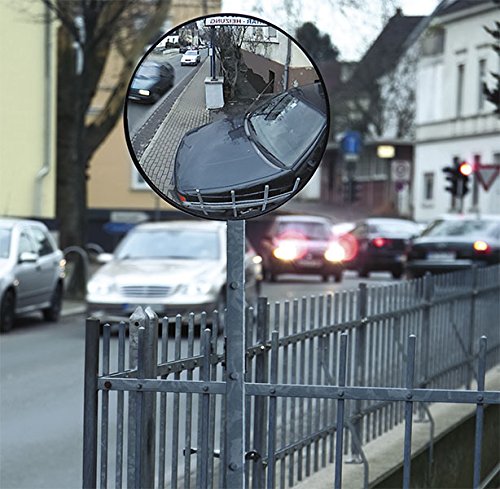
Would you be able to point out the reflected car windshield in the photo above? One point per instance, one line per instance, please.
(171, 243)
(147, 71)
(309, 230)
(191, 53)
(286, 127)
(469, 227)
(4, 243)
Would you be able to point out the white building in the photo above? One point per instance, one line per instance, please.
(453, 118)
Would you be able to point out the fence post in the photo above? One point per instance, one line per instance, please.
(360, 367)
(143, 357)
(260, 402)
(92, 327)
(472, 327)
(428, 284)
(235, 357)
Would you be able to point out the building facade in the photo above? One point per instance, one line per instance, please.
(453, 117)
(27, 105)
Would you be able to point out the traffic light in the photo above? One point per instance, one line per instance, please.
(452, 176)
(351, 191)
(465, 170)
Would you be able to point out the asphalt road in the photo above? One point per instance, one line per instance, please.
(41, 393)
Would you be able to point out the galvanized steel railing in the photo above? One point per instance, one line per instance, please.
(335, 372)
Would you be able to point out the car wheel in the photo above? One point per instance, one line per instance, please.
(7, 311)
(363, 272)
(269, 276)
(397, 274)
(325, 278)
(338, 277)
(53, 313)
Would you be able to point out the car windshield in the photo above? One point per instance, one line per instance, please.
(146, 72)
(462, 228)
(399, 227)
(191, 53)
(4, 242)
(286, 127)
(308, 230)
(170, 243)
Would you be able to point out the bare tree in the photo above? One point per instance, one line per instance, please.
(92, 34)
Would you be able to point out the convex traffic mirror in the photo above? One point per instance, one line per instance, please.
(226, 117)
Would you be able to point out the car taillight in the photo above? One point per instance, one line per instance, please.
(379, 242)
(350, 245)
(481, 246)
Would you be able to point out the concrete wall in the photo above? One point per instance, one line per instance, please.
(453, 457)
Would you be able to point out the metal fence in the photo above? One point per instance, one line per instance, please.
(323, 376)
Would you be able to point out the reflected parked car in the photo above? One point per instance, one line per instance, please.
(151, 81)
(455, 242)
(31, 271)
(304, 245)
(191, 57)
(378, 244)
(239, 166)
(173, 267)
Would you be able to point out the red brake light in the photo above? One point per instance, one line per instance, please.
(379, 242)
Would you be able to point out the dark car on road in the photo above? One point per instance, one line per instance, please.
(242, 165)
(454, 243)
(301, 244)
(379, 244)
(151, 81)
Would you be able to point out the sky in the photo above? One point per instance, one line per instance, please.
(351, 30)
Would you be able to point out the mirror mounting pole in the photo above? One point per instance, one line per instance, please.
(234, 327)
(212, 54)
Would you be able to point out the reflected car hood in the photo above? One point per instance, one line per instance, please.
(148, 271)
(220, 156)
(143, 83)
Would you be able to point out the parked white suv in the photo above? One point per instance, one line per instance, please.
(31, 271)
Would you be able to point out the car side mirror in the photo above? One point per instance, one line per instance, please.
(103, 258)
(28, 257)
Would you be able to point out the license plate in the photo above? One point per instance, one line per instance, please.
(311, 263)
(441, 256)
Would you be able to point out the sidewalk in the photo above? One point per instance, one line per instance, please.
(188, 112)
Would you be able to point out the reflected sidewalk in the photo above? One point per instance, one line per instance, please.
(188, 112)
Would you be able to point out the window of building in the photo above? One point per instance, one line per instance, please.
(272, 32)
(138, 183)
(481, 80)
(460, 88)
(428, 186)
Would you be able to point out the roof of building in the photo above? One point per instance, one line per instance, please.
(385, 52)
(452, 6)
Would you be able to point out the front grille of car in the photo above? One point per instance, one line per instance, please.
(149, 291)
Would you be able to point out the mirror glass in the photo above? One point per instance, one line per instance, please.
(226, 117)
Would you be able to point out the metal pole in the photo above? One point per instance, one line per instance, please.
(212, 54)
(475, 184)
(235, 356)
(90, 403)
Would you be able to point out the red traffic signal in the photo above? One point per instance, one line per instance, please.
(465, 169)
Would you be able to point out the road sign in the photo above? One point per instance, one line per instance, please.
(400, 171)
(351, 145)
(487, 174)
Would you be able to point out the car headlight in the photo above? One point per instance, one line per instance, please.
(200, 288)
(101, 287)
(146, 93)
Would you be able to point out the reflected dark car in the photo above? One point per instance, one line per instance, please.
(455, 243)
(302, 245)
(151, 81)
(379, 244)
(240, 166)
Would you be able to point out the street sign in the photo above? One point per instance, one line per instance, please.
(351, 145)
(487, 174)
(400, 171)
(233, 20)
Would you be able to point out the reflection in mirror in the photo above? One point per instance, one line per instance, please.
(226, 117)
